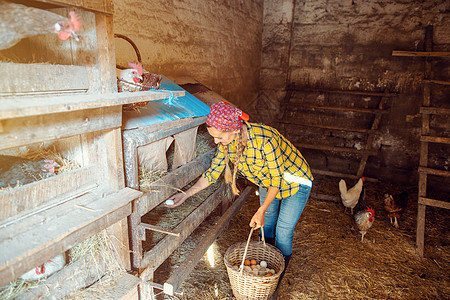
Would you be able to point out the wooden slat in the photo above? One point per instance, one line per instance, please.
(103, 6)
(158, 254)
(434, 110)
(362, 130)
(22, 131)
(420, 54)
(435, 139)
(18, 78)
(169, 184)
(356, 93)
(436, 81)
(337, 149)
(340, 175)
(371, 137)
(337, 108)
(177, 277)
(436, 172)
(33, 195)
(16, 107)
(159, 229)
(434, 202)
(60, 229)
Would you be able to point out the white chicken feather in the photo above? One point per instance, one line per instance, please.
(350, 197)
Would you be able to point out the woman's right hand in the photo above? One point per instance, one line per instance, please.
(178, 199)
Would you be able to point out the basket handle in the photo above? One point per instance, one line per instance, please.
(241, 268)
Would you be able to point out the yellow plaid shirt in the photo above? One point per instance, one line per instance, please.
(267, 156)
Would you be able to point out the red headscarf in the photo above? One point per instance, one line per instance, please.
(225, 117)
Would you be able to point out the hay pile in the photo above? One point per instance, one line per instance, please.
(329, 261)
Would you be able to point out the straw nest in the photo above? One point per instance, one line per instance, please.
(65, 164)
(329, 261)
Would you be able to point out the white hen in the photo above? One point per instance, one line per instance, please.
(350, 197)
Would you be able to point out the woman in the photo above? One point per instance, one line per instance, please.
(268, 160)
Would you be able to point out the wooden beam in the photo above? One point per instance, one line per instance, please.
(434, 202)
(341, 175)
(436, 81)
(16, 78)
(25, 106)
(436, 172)
(337, 149)
(420, 54)
(435, 139)
(103, 6)
(356, 93)
(337, 108)
(434, 110)
(23, 131)
(158, 254)
(361, 130)
(177, 277)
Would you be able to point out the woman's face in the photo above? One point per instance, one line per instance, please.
(223, 137)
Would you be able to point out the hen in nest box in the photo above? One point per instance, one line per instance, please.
(19, 21)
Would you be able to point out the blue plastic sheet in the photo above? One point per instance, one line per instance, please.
(161, 111)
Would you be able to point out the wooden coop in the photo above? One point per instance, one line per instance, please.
(79, 118)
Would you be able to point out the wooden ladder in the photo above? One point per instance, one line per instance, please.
(287, 107)
(427, 111)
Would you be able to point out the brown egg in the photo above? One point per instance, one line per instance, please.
(269, 274)
(253, 262)
(247, 262)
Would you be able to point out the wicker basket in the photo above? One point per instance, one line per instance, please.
(248, 286)
(149, 80)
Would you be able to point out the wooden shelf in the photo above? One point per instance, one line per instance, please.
(16, 107)
(338, 149)
(32, 241)
(421, 54)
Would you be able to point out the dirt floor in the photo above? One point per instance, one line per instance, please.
(329, 261)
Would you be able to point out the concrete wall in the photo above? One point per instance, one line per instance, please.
(218, 43)
(347, 45)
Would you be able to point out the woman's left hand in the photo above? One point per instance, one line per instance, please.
(257, 219)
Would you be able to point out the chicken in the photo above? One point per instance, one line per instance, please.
(20, 171)
(350, 197)
(19, 21)
(136, 79)
(129, 79)
(48, 268)
(364, 216)
(395, 206)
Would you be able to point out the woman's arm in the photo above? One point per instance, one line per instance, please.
(258, 218)
(179, 198)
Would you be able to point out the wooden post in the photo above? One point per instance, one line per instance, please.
(420, 233)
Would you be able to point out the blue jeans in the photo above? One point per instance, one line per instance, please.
(282, 216)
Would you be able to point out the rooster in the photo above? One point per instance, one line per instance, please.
(395, 206)
(364, 216)
(350, 197)
(19, 21)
